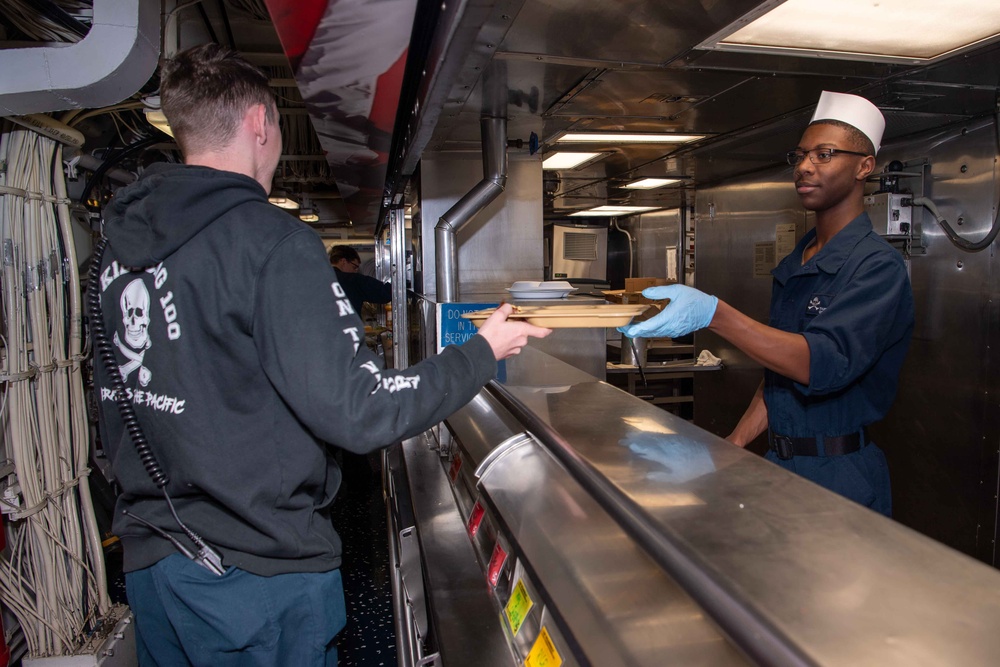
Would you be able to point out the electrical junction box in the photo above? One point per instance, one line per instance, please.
(891, 214)
(113, 645)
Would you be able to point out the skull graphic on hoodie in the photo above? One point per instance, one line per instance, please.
(135, 317)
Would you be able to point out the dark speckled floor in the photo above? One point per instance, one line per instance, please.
(359, 517)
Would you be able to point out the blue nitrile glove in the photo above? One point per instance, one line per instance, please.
(688, 310)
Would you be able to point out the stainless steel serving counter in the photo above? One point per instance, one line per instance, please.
(642, 540)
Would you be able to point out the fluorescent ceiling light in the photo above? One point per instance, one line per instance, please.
(156, 118)
(923, 31)
(626, 209)
(628, 138)
(651, 183)
(283, 201)
(609, 211)
(569, 160)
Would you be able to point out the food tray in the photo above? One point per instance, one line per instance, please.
(568, 317)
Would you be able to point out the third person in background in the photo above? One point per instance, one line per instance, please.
(359, 287)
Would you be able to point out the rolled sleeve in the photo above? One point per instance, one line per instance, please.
(847, 338)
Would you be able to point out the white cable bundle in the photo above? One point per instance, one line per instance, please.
(54, 579)
(36, 25)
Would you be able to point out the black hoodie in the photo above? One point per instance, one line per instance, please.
(243, 357)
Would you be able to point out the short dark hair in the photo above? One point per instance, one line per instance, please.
(204, 92)
(339, 252)
(859, 141)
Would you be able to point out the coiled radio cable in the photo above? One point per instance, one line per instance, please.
(207, 557)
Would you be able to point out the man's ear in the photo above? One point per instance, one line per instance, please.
(865, 168)
(258, 119)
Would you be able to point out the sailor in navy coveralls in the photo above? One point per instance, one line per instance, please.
(853, 305)
(840, 324)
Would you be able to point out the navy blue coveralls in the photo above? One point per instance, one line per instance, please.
(853, 303)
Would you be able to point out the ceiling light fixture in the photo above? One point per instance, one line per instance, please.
(628, 138)
(925, 31)
(651, 183)
(155, 116)
(308, 215)
(570, 160)
(612, 211)
(283, 200)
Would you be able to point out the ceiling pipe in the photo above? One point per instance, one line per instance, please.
(494, 140)
(91, 163)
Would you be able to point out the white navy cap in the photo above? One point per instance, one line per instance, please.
(855, 111)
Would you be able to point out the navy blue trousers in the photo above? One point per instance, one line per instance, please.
(187, 616)
(862, 476)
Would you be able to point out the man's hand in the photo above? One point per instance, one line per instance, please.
(688, 310)
(507, 338)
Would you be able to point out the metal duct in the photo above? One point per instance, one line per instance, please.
(111, 62)
(494, 137)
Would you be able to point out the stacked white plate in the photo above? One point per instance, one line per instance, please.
(533, 289)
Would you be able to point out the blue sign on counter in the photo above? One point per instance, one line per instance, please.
(453, 329)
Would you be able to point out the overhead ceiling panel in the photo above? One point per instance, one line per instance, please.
(624, 31)
(692, 101)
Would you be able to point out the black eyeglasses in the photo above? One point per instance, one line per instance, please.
(817, 155)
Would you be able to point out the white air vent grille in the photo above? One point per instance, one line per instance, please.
(580, 246)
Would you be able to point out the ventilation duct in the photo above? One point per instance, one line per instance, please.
(494, 140)
(111, 62)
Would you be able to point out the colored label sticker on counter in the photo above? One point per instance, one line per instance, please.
(456, 466)
(518, 606)
(475, 519)
(543, 653)
(497, 560)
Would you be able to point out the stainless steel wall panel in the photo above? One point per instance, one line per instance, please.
(584, 348)
(657, 231)
(503, 243)
(942, 434)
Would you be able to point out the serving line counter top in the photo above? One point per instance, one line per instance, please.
(643, 539)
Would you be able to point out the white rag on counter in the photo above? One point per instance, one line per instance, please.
(706, 358)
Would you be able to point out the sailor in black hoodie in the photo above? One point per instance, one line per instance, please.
(243, 357)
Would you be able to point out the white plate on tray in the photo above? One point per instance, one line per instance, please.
(539, 294)
(547, 289)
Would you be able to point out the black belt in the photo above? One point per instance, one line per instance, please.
(834, 445)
